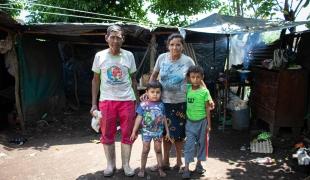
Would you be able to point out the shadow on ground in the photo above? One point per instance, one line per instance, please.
(119, 175)
(226, 146)
(226, 160)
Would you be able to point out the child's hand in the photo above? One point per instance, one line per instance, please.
(133, 136)
(168, 138)
(211, 105)
(143, 97)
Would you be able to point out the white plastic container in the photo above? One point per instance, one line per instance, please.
(261, 146)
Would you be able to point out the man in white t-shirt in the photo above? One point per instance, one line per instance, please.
(114, 75)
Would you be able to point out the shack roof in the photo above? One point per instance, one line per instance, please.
(223, 24)
(7, 23)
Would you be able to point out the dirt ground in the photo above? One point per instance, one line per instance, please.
(66, 148)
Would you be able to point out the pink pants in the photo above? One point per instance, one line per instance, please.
(111, 111)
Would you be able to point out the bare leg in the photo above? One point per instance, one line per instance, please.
(178, 148)
(159, 157)
(167, 148)
(145, 152)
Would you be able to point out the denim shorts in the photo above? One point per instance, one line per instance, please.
(148, 138)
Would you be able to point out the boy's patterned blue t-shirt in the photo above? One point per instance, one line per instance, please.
(153, 114)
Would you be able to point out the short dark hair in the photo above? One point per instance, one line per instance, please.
(154, 84)
(114, 28)
(195, 69)
(175, 35)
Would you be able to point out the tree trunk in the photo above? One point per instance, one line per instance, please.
(238, 8)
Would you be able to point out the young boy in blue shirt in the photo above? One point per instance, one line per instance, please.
(151, 115)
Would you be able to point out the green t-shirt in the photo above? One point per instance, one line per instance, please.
(196, 103)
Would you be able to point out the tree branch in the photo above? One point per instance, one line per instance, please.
(242, 12)
(286, 6)
(296, 13)
(254, 10)
(292, 4)
(298, 6)
(279, 5)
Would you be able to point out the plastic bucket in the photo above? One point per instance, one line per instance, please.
(240, 119)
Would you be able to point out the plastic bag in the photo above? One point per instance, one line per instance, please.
(235, 103)
(95, 121)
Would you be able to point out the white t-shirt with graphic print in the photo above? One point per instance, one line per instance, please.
(172, 76)
(115, 73)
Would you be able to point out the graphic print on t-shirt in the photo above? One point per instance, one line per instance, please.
(115, 75)
(190, 100)
(172, 76)
(153, 116)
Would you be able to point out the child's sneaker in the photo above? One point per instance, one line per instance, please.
(199, 169)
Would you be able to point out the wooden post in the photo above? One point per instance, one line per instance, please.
(11, 55)
(226, 83)
(153, 52)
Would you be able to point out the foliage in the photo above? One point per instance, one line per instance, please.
(264, 9)
(176, 12)
(120, 8)
(269, 37)
(14, 12)
(169, 12)
(172, 12)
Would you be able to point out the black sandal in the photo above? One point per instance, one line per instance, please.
(199, 169)
(155, 168)
(178, 168)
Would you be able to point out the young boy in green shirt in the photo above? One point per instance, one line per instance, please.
(199, 102)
